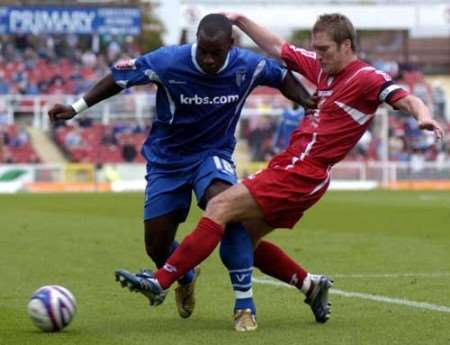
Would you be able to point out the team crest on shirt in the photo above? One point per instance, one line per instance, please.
(240, 77)
(125, 64)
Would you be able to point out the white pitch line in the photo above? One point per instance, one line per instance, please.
(376, 298)
(392, 275)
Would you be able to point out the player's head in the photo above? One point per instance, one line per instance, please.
(333, 39)
(214, 40)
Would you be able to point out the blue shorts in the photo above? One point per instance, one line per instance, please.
(167, 192)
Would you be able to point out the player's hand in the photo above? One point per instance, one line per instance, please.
(232, 17)
(61, 112)
(431, 125)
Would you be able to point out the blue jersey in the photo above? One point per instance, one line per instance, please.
(196, 113)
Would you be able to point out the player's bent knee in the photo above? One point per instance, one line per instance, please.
(217, 209)
(225, 209)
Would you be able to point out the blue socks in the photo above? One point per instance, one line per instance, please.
(236, 252)
(189, 275)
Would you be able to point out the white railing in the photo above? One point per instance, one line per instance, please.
(137, 106)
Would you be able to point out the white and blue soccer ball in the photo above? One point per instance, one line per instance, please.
(51, 308)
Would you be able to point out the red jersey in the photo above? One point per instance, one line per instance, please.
(348, 102)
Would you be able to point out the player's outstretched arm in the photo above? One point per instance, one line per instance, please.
(103, 89)
(270, 43)
(414, 106)
(294, 90)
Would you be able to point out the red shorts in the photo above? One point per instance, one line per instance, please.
(284, 191)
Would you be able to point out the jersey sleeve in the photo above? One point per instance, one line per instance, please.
(272, 73)
(140, 71)
(379, 87)
(302, 61)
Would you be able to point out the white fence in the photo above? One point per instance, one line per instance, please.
(138, 106)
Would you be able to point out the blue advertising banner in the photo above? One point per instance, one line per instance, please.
(70, 20)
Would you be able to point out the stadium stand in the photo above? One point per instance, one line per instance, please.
(98, 143)
(65, 65)
(17, 146)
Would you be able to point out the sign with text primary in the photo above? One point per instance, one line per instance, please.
(70, 20)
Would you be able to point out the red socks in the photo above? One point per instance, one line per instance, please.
(195, 248)
(272, 261)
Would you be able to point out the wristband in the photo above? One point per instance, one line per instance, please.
(80, 105)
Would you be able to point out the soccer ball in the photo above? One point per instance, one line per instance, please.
(51, 308)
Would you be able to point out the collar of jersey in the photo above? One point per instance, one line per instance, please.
(194, 60)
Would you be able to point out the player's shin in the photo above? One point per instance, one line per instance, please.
(189, 275)
(236, 252)
(274, 262)
(193, 249)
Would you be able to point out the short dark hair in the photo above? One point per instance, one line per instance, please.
(214, 23)
(338, 27)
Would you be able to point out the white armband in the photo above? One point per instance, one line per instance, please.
(80, 105)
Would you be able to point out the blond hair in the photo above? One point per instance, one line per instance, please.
(338, 27)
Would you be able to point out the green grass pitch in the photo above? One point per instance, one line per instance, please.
(394, 245)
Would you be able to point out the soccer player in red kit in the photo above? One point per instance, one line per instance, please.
(349, 92)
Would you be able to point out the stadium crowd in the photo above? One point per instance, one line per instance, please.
(406, 141)
(15, 145)
(52, 64)
(88, 142)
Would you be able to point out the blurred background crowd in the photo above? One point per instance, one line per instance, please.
(33, 65)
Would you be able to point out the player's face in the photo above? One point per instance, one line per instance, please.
(332, 57)
(212, 51)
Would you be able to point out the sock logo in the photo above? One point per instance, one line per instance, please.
(169, 268)
(241, 277)
(294, 279)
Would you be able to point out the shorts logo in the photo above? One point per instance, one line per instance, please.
(125, 64)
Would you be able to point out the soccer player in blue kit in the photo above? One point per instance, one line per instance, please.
(202, 88)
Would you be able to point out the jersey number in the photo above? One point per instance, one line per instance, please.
(222, 164)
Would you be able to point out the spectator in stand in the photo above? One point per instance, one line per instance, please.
(129, 152)
(21, 138)
(1, 149)
(4, 136)
(397, 149)
(73, 139)
(109, 137)
(290, 120)
(422, 90)
(85, 122)
(4, 86)
(439, 100)
(260, 141)
(363, 146)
